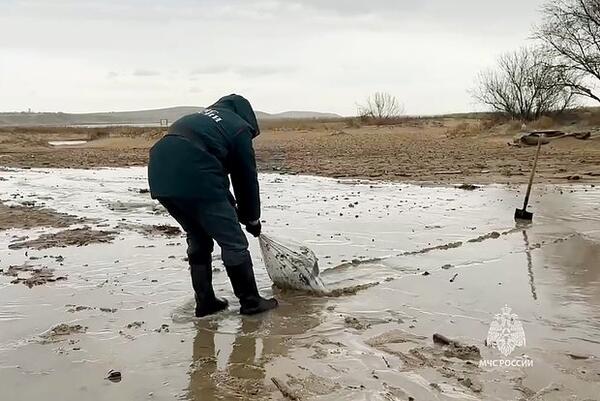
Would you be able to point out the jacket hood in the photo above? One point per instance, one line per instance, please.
(240, 106)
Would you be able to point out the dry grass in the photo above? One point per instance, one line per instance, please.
(457, 125)
(353, 123)
(513, 126)
(44, 130)
(412, 149)
(90, 133)
(465, 129)
(544, 123)
(302, 124)
(591, 116)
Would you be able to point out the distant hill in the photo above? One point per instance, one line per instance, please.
(299, 115)
(135, 117)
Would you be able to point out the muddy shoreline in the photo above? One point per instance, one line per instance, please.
(428, 151)
(108, 304)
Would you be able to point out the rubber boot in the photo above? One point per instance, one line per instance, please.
(206, 301)
(244, 287)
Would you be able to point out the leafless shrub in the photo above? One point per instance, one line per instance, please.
(524, 85)
(381, 107)
(571, 34)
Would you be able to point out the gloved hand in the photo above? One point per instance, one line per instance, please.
(254, 228)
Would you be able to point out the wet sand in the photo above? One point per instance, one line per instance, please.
(29, 215)
(444, 260)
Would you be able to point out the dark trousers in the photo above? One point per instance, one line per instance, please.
(204, 222)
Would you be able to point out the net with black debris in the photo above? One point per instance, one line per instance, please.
(291, 265)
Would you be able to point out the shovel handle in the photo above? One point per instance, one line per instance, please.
(537, 154)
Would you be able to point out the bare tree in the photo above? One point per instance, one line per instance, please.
(381, 106)
(525, 85)
(571, 33)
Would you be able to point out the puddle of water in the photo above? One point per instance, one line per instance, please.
(548, 273)
(66, 143)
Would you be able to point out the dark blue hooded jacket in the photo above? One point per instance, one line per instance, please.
(199, 152)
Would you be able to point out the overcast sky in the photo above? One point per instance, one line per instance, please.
(84, 55)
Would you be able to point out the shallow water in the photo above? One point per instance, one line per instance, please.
(547, 272)
(66, 143)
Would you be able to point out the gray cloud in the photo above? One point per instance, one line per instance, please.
(243, 70)
(358, 7)
(262, 70)
(211, 70)
(477, 12)
(283, 54)
(145, 73)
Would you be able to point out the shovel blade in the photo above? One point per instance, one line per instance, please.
(522, 214)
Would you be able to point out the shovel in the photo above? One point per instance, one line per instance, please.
(523, 214)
